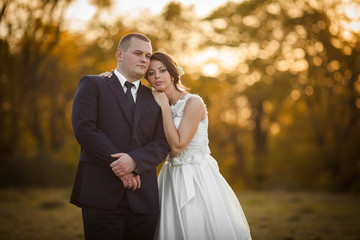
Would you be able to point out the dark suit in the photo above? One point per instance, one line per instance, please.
(103, 125)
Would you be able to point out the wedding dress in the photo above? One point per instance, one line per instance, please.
(196, 202)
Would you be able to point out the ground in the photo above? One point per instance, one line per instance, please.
(42, 214)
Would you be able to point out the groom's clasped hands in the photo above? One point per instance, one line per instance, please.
(123, 168)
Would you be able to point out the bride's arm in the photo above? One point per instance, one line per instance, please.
(179, 138)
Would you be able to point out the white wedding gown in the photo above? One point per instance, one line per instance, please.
(196, 202)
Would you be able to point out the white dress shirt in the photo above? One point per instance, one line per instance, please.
(122, 80)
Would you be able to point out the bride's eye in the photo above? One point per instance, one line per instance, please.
(163, 70)
(150, 73)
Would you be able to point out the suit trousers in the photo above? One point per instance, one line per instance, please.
(118, 224)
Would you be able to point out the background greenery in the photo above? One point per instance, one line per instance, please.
(280, 80)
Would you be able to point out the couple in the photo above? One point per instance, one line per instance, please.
(125, 130)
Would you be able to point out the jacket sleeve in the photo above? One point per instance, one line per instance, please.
(154, 152)
(84, 118)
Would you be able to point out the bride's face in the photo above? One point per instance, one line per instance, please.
(158, 76)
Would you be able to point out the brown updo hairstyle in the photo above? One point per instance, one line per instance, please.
(171, 67)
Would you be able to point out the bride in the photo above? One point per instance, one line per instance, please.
(195, 200)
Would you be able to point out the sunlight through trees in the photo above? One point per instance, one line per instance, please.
(281, 80)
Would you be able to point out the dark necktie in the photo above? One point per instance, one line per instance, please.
(129, 96)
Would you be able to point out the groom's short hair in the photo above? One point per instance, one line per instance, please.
(125, 40)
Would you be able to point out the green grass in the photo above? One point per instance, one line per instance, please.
(298, 216)
(46, 214)
(39, 214)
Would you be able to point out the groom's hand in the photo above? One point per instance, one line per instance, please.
(131, 182)
(123, 165)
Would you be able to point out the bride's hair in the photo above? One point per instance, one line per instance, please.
(171, 67)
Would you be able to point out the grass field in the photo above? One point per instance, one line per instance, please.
(44, 214)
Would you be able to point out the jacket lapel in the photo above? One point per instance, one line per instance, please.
(119, 94)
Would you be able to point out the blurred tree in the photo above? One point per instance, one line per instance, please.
(39, 68)
(290, 57)
(331, 98)
(281, 87)
(28, 37)
(36, 61)
(280, 80)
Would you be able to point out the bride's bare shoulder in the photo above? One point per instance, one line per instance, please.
(195, 102)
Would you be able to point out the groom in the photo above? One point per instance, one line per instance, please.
(119, 128)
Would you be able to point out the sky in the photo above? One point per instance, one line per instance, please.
(80, 10)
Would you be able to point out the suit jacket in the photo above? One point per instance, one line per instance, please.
(103, 125)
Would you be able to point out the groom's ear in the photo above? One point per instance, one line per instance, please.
(119, 55)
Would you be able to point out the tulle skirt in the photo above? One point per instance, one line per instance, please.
(196, 203)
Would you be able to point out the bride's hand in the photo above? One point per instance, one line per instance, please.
(106, 74)
(160, 98)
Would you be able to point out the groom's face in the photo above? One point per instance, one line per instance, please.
(136, 59)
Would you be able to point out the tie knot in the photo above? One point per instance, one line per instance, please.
(129, 85)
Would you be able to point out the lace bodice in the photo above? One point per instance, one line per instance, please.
(199, 145)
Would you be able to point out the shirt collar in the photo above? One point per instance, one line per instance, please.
(122, 79)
